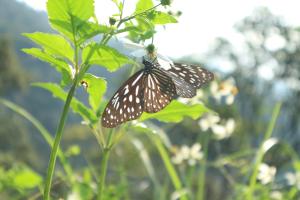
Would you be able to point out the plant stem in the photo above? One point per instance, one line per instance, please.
(57, 139)
(201, 183)
(104, 164)
(170, 167)
(106, 37)
(260, 153)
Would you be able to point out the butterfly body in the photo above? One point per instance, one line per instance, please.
(152, 89)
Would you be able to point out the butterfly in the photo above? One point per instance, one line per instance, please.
(152, 89)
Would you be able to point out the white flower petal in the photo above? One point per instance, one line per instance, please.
(185, 152)
(204, 124)
(230, 126)
(219, 131)
(214, 87)
(229, 99)
(276, 195)
(177, 159)
(266, 173)
(192, 162)
(291, 178)
(268, 144)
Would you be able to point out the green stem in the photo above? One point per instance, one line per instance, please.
(169, 166)
(104, 164)
(260, 153)
(201, 183)
(57, 139)
(106, 37)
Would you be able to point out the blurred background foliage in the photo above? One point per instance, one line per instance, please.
(264, 69)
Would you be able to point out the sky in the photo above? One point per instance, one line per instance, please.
(201, 21)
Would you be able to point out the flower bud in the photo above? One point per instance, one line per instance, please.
(150, 48)
(165, 2)
(112, 21)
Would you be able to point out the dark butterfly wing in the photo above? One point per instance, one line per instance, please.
(183, 88)
(159, 90)
(188, 78)
(127, 102)
(195, 75)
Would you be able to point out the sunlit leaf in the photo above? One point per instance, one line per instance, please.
(60, 65)
(77, 106)
(143, 5)
(96, 89)
(128, 28)
(88, 30)
(176, 111)
(73, 150)
(104, 56)
(119, 4)
(66, 15)
(26, 178)
(53, 44)
(158, 17)
(146, 27)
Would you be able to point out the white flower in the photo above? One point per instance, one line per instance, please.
(223, 131)
(225, 89)
(208, 121)
(195, 154)
(293, 179)
(276, 195)
(268, 144)
(74, 196)
(188, 154)
(179, 193)
(266, 173)
(229, 99)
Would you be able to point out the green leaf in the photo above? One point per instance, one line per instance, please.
(53, 44)
(26, 178)
(119, 4)
(127, 29)
(158, 17)
(143, 5)
(88, 30)
(60, 65)
(96, 89)
(176, 111)
(66, 15)
(78, 107)
(104, 56)
(146, 27)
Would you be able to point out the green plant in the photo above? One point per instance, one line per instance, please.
(72, 52)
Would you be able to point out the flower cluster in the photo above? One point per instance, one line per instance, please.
(226, 91)
(221, 128)
(293, 179)
(190, 155)
(266, 173)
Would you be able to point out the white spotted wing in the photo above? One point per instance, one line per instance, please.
(159, 90)
(188, 78)
(127, 103)
(153, 88)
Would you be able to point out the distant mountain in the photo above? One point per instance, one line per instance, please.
(17, 17)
